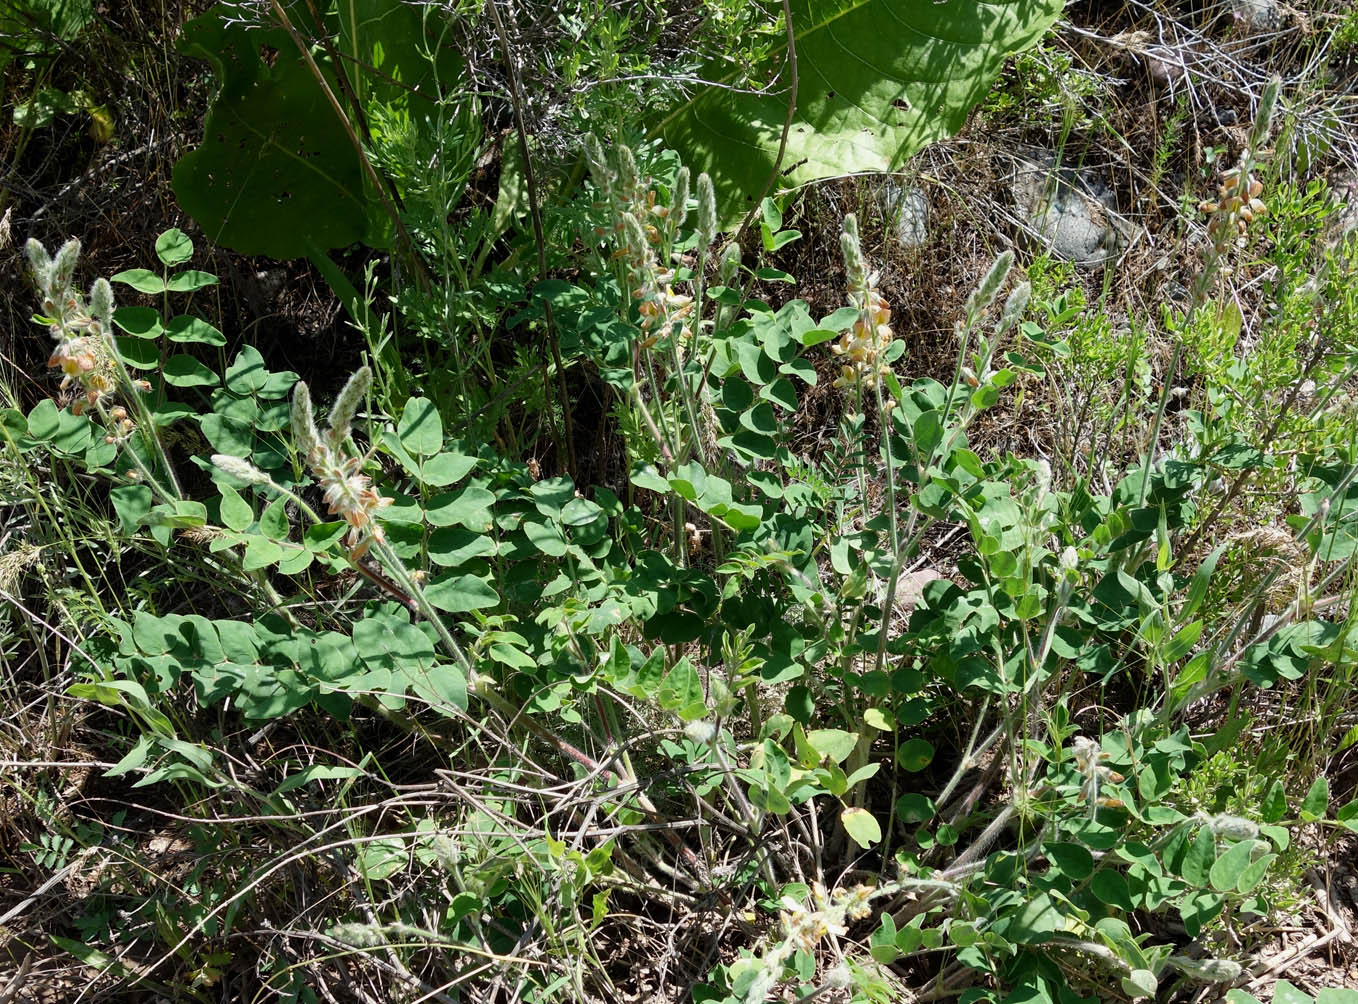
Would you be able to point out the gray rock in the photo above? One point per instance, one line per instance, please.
(906, 208)
(1344, 224)
(1257, 15)
(1069, 213)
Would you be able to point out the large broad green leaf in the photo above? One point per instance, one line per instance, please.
(877, 81)
(38, 27)
(277, 173)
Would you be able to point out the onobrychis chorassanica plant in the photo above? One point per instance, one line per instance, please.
(645, 228)
(863, 348)
(1088, 761)
(88, 357)
(347, 491)
(82, 329)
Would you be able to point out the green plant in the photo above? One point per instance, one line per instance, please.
(727, 678)
(836, 112)
(283, 168)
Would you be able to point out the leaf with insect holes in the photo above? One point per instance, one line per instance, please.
(877, 80)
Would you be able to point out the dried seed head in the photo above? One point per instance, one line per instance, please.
(240, 468)
(346, 406)
(304, 433)
(679, 199)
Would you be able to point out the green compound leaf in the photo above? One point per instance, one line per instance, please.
(446, 469)
(1228, 869)
(877, 81)
(190, 281)
(458, 594)
(132, 503)
(421, 428)
(1036, 921)
(276, 173)
(143, 322)
(1073, 860)
(381, 859)
(141, 279)
(248, 373)
(915, 754)
(174, 247)
(236, 513)
(1110, 888)
(185, 371)
(1200, 858)
(470, 508)
(862, 827)
(1317, 800)
(275, 166)
(138, 354)
(441, 686)
(1254, 873)
(1285, 993)
(1274, 805)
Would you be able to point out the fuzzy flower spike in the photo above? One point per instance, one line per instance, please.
(862, 350)
(347, 491)
(82, 328)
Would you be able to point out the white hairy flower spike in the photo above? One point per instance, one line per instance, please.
(40, 262)
(63, 269)
(679, 200)
(862, 349)
(984, 294)
(346, 406)
(1232, 827)
(637, 244)
(304, 433)
(1207, 970)
(101, 302)
(700, 731)
(707, 209)
(598, 162)
(1014, 307)
(1088, 761)
(730, 264)
(629, 178)
(238, 467)
(347, 490)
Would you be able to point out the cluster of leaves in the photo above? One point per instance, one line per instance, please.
(791, 712)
